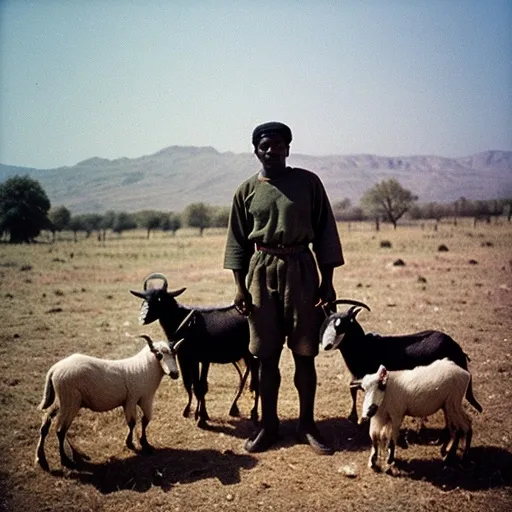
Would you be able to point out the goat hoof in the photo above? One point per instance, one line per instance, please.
(147, 449)
(263, 440)
(43, 464)
(68, 463)
(202, 423)
(80, 457)
(234, 411)
(392, 471)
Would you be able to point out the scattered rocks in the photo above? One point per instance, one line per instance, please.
(349, 471)
(55, 310)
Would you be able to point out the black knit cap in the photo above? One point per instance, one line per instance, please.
(273, 127)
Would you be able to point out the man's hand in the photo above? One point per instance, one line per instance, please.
(243, 302)
(326, 293)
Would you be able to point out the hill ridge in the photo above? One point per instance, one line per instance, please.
(176, 176)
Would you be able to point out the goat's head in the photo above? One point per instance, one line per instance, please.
(337, 325)
(157, 301)
(165, 354)
(374, 387)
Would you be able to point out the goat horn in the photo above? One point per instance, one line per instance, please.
(176, 346)
(156, 275)
(184, 322)
(149, 340)
(175, 293)
(355, 384)
(350, 301)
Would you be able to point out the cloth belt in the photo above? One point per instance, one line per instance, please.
(281, 250)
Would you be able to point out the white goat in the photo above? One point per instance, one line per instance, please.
(81, 381)
(420, 392)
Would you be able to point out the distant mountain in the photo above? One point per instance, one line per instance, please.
(176, 176)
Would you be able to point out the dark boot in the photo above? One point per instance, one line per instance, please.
(305, 382)
(270, 380)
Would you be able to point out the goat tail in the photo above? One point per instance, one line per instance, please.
(471, 398)
(467, 357)
(49, 392)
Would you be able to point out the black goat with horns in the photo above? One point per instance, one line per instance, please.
(209, 334)
(364, 353)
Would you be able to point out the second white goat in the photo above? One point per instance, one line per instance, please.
(420, 392)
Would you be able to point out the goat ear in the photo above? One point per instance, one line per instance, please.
(383, 375)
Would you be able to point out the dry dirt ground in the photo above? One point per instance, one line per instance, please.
(68, 297)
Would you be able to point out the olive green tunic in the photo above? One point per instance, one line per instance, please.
(290, 210)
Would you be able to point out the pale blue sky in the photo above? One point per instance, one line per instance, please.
(113, 78)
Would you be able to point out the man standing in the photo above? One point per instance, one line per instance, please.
(275, 216)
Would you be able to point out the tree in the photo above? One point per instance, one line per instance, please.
(220, 217)
(389, 200)
(171, 222)
(344, 211)
(197, 215)
(76, 224)
(507, 208)
(24, 208)
(149, 220)
(107, 222)
(87, 222)
(91, 222)
(123, 222)
(59, 218)
(482, 212)
(340, 208)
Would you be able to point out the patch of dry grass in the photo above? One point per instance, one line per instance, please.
(69, 297)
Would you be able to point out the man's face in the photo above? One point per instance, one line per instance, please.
(272, 151)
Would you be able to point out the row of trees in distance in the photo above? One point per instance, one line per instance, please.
(25, 211)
